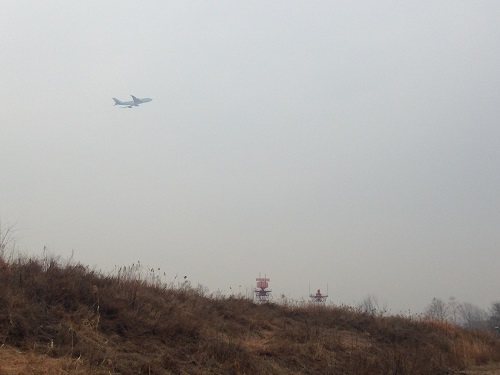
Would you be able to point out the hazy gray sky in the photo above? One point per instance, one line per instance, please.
(348, 143)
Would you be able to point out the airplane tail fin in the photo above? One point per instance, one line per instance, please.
(117, 101)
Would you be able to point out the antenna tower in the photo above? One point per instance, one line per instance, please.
(318, 297)
(262, 293)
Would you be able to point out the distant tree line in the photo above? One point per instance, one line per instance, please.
(464, 313)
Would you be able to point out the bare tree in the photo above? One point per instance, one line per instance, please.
(495, 309)
(473, 316)
(437, 310)
(495, 316)
(453, 309)
(370, 305)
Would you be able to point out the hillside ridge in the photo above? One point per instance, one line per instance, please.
(65, 318)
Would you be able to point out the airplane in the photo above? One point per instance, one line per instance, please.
(133, 103)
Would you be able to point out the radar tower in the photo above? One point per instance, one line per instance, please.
(262, 293)
(318, 297)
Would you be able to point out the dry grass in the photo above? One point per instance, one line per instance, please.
(68, 319)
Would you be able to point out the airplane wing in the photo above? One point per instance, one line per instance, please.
(136, 100)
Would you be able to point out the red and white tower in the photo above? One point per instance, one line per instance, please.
(262, 293)
(318, 297)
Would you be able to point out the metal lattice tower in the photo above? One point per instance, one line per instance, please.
(262, 293)
(318, 297)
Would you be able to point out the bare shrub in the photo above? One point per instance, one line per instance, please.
(7, 243)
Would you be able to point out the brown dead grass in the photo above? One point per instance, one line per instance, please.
(488, 369)
(15, 362)
(68, 319)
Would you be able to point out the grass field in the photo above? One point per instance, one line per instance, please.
(64, 318)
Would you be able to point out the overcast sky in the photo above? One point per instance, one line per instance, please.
(354, 144)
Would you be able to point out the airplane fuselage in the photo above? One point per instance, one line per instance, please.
(134, 103)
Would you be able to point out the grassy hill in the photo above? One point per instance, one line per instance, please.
(60, 318)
